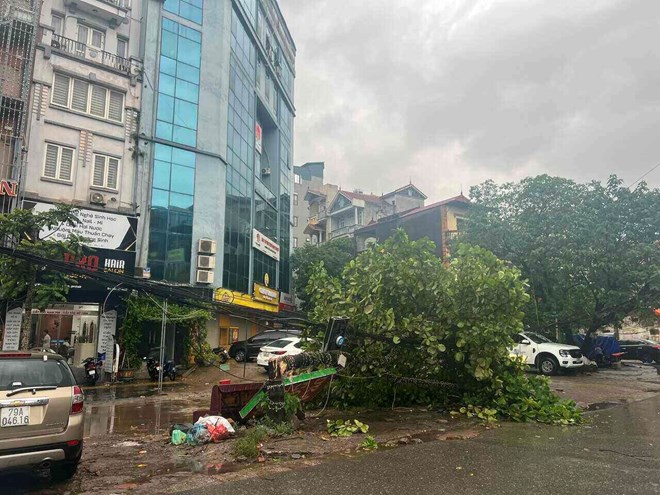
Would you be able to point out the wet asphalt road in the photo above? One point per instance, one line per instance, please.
(618, 454)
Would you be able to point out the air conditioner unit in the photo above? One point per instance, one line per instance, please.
(204, 277)
(207, 246)
(204, 261)
(97, 198)
(266, 171)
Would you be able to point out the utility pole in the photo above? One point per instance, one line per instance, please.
(161, 365)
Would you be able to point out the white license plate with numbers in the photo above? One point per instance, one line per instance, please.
(14, 416)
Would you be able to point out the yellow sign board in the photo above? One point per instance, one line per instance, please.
(246, 300)
(266, 294)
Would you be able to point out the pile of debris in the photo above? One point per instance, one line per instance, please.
(206, 429)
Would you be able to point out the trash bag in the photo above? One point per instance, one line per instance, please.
(184, 427)
(218, 427)
(178, 437)
(198, 435)
(215, 421)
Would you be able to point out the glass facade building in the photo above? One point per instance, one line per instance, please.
(173, 184)
(220, 62)
(256, 102)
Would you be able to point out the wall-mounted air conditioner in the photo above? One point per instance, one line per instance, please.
(204, 261)
(204, 277)
(97, 198)
(207, 246)
(266, 171)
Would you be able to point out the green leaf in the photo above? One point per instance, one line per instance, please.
(396, 339)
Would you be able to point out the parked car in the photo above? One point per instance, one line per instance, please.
(646, 351)
(41, 414)
(547, 356)
(289, 346)
(248, 349)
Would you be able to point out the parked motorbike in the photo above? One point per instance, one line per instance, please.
(92, 367)
(222, 354)
(153, 368)
(602, 358)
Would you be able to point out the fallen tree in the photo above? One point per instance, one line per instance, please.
(418, 325)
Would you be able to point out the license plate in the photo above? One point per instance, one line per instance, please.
(14, 416)
(92, 372)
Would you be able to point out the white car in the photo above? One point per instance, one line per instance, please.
(547, 356)
(288, 346)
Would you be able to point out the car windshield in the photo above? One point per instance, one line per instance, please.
(18, 373)
(539, 339)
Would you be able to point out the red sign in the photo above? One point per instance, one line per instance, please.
(8, 188)
(257, 137)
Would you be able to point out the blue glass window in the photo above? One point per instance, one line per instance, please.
(178, 83)
(188, 9)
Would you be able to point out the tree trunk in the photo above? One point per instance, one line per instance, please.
(26, 323)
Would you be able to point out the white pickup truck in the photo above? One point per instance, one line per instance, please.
(547, 356)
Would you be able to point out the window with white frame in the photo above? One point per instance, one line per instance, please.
(58, 162)
(295, 242)
(88, 98)
(295, 199)
(91, 37)
(106, 172)
(57, 23)
(295, 221)
(297, 179)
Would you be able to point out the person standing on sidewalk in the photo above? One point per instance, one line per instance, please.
(45, 342)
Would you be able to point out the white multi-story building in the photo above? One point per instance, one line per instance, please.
(85, 105)
(85, 99)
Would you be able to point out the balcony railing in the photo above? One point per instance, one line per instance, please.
(345, 230)
(122, 4)
(451, 235)
(81, 50)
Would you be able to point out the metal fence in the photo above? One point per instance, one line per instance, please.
(82, 50)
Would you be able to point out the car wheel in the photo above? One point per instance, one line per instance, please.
(240, 356)
(548, 365)
(64, 472)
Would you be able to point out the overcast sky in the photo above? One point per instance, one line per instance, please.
(451, 92)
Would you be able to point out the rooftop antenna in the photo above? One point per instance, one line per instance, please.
(461, 189)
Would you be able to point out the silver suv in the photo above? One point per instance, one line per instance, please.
(41, 414)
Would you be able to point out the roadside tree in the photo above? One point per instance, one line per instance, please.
(333, 254)
(590, 252)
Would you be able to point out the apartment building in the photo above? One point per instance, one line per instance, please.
(85, 98)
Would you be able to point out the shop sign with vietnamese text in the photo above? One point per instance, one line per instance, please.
(266, 245)
(266, 294)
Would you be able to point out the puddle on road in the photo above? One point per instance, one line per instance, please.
(199, 467)
(127, 391)
(150, 417)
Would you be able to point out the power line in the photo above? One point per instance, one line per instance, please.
(200, 298)
(644, 175)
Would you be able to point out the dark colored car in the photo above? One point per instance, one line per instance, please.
(250, 348)
(646, 351)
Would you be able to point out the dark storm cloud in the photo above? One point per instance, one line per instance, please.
(445, 93)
